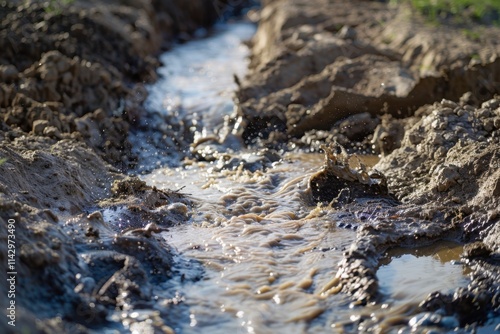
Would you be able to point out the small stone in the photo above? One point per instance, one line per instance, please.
(491, 104)
(446, 176)
(488, 125)
(99, 114)
(496, 122)
(347, 32)
(39, 126)
(415, 138)
(483, 113)
(52, 131)
(8, 73)
(178, 208)
(105, 77)
(469, 108)
(446, 111)
(436, 139)
(448, 104)
(440, 153)
(449, 137)
(439, 124)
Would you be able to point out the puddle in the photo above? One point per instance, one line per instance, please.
(409, 275)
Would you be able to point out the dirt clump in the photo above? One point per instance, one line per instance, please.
(338, 184)
(61, 176)
(77, 70)
(136, 208)
(449, 158)
(314, 64)
(46, 186)
(445, 177)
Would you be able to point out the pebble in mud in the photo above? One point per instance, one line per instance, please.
(178, 209)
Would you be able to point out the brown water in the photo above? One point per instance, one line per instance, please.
(263, 253)
(266, 251)
(268, 255)
(408, 275)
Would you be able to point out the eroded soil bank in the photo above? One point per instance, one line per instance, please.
(72, 78)
(369, 76)
(361, 74)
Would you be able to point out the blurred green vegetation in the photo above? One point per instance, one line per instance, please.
(458, 11)
(56, 6)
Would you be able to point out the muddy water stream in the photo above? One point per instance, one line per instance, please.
(261, 255)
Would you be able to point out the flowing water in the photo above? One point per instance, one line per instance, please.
(261, 253)
(197, 81)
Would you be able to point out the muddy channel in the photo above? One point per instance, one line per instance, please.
(283, 171)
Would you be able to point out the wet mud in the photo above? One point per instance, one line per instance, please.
(72, 78)
(77, 70)
(236, 222)
(336, 73)
(316, 63)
